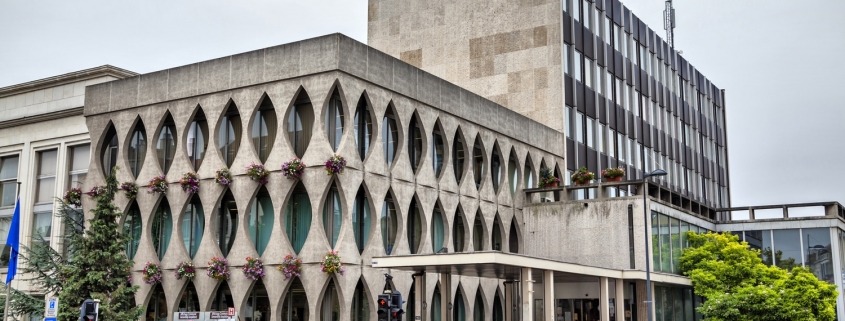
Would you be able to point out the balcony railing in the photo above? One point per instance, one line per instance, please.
(781, 211)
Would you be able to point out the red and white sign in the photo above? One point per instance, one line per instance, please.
(231, 312)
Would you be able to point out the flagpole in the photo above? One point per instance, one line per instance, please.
(9, 284)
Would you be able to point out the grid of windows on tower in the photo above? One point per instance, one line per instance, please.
(633, 102)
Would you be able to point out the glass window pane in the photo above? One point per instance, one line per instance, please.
(79, 157)
(361, 220)
(818, 256)
(787, 244)
(298, 218)
(363, 127)
(388, 224)
(137, 149)
(332, 216)
(437, 230)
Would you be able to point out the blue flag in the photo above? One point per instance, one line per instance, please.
(14, 242)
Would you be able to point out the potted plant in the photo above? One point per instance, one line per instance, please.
(185, 270)
(223, 177)
(218, 268)
(190, 183)
(547, 178)
(331, 264)
(613, 174)
(291, 266)
(152, 273)
(258, 173)
(335, 165)
(293, 168)
(96, 191)
(73, 197)
(253, 269)
(157, 184)
(583, 176)
(129, 189)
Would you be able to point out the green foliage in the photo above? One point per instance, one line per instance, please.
(98, 267)
(738, 286)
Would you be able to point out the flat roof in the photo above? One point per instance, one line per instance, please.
(494, 264)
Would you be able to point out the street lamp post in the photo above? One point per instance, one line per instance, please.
(649, 303)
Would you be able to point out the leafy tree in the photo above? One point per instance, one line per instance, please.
(738, 286)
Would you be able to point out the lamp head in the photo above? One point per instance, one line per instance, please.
(656, 172)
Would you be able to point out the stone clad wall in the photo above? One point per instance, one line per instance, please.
(125, 104)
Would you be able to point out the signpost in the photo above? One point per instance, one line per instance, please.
(51, 309)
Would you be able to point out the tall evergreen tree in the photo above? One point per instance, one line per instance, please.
(97, 266)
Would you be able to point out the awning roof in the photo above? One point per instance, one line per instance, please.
(494, 264)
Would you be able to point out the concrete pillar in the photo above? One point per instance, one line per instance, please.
(527, 287)
(620, 300)
(604, 299)
(548, 295)
(641, 301)
(419, 297)
(445, 295)
(509, 304)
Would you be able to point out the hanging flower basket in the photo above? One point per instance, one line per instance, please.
(335, 165)
(291, 267)
(547, 178)
(73, 197)
(253, 269)
(186, 270)
(223, 177)
(218, 269)
(157, 184)
(258, 173)
(129, 189)
(331, 264)
(152, 273)
(613, 174)
(294, 168)
(96, 191)
(190, 183)
(583, 176)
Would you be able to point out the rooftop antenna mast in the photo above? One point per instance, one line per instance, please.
(669, 23)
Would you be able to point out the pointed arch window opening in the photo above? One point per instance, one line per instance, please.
(513, 172)
(229, 134)
(197, 141)
(264, 126)
(478, 314)
(330, 308)
(258, 307)
(529, 173)
(300, 122)
(496, 238)
(436, 308)
(332, 215)
(227, 223)
(360, 304)
(459, 312)
(157, 305)
(109, 154)
(390, 135)
(260, 223)
(496, 167)
(189, 301)
(298, 218)
(478, 169)
(513, 237)
(295, 303)
(389, 224)
(415, 142)
(334, 120)
(437, 230)
(459, 231)
(222, 299)
(478, 233)
(459, 156)
(166, 143)
(162, 229)
(363, 127)
(414, 226)
(361, 220)
(437, 150)
(132, 230)
(498, 308)
(137, 149)
(193, 225)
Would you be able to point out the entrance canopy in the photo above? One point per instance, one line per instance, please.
(494, 264)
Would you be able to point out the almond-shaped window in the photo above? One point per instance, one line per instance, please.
(438, 230)
(229, 134)
(436, 307)
(414, 228)
(108, 156)
(459, 155)
(193, 226)
(496, 237)
(332, 215)
(415, 142)
(227, 223)
(298, 217)
(330, 309)
(459, 310)
(264, 128)
(478, 169)
(390, 134)
(361, 219)
(197, 141)
(437, 149)
(300, 123)
(360, 304)
(529, 173)
(334, 120)
(189, 301)
(261, 220)
(478, 233)
(478, 314)
(132, 230)
(258, 302)
(157, 306)
(498, 308)
(513, 172)
(363, 126)
(389, 223)
(166, 143)
(137, 149)
(222, 298)
(162, 228)
(459, 231)
(496, 167)
(295, 302)
(513, 238)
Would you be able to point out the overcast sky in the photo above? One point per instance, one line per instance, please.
(780, 62)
